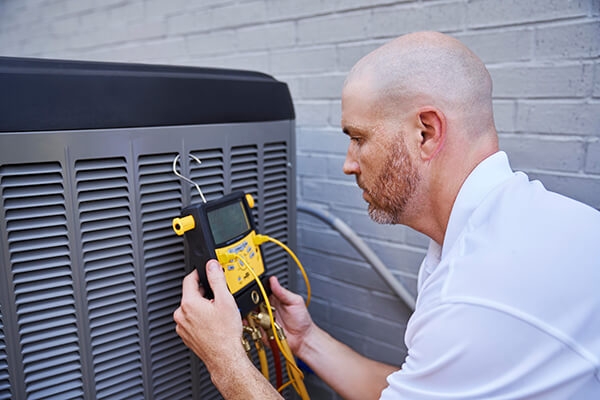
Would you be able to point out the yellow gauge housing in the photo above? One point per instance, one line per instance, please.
(236, 273)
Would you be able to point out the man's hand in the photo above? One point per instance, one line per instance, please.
(211, 328)
(292, 315)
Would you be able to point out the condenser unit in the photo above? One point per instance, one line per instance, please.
(90, 269)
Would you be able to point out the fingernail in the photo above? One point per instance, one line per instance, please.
(213, 266)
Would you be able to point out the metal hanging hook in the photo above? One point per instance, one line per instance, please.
(188, 180)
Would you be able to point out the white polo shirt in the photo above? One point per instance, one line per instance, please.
(509, 307)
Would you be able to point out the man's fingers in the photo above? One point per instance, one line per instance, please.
(282, 294)
(216, 280)
(190, 286)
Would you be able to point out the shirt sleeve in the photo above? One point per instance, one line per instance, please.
(465, 351)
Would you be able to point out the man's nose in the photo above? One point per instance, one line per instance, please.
(350, 166)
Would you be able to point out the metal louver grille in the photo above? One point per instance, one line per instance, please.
(4, 384)
(160, 201)
(244, 173)
(38, 246)
(106, 240)
(208, 175)
(276, 204)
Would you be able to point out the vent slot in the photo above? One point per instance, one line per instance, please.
(161, 201)
(276, 187)
(5, 393)
(208, 175)
(106, 241)
(244, 173)
(38, 244)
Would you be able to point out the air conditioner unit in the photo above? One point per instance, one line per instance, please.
(90, 268)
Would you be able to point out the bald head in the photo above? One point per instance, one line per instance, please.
(427, 69)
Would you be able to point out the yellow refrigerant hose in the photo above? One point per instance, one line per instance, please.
(262, 357)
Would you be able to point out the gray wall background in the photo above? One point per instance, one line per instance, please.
(544, 57)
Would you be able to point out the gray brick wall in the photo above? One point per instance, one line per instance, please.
(544, 57)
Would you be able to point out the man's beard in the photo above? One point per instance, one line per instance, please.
(394, 187)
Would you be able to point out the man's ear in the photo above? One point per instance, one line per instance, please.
(432, 123)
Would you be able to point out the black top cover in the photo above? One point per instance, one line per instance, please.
(39, 95)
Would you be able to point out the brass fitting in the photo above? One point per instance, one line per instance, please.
(280, 332)
(246, 345)
(256, 333)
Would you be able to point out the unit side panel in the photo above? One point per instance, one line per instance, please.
(161, 200)
(104, 213)
(33, 195)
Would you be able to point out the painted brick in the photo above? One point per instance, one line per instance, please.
(234, 60)
(303, 60)
(250, 13)
(504, 115)
(130, 11)
(327, 242)
(312, 165)
(65, 26)
(322, 86)
(312, 113)
(78, 6)
(50, 11)
(211, 43)
(559, 118)
(149, 29)
(581, 188)
(340, 27)
(341, 5)
(319, 309)
(568, 41)
(335, 113)
(541, 81)
(389, 306)
(277, 9)
(398, 257)
(340, 293)
(161, 8)
(270, 36)
(342, 193)
(499, 46)
(366, 325)
(349, 271)
(538, 153)
(321, 140)
(592, 162)
(165, 49)
(417, 239)
(389, 354)
(349, 54)
(495, 13)
(188, 23)
(394, 21)
(360, 222)
(335, 169)
(351, 339)
(597, 80)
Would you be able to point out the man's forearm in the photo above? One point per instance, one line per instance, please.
(347, 372)
(240, 380)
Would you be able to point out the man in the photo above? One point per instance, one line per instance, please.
(508, 303)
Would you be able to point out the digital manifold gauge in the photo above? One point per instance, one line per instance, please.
(218, 229)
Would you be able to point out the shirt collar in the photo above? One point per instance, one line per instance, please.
(490, 173)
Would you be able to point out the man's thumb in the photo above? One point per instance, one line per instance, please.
(216, 279)
(281, 293)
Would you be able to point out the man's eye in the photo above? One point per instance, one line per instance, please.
(355, 139)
